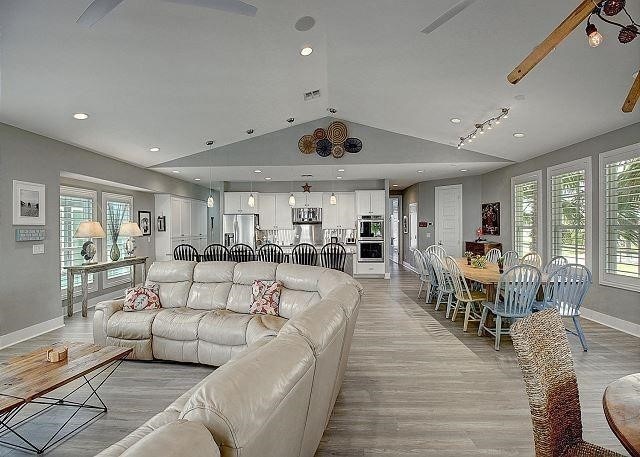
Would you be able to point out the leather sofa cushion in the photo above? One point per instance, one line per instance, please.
(224, 327)
(293, 302)
(141, 348)
(171, 271)
(217, 354)
(299, 277)
(319, 325)
(178, 324)
(257, 404)
(263, 325)
(214, 272)
(173, 294)
(131, 326)
(240, 298)
(209, 295)
(330, 279)
(173, 439)
(247, 272)
(179, 402)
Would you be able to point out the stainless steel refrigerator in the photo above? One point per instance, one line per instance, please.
(240, 228)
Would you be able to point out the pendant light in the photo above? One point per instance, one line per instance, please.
(251, 201)
(292, 199)
(210, 199)
(333, 200)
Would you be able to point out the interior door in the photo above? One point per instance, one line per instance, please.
(448, 211)
(413, 225)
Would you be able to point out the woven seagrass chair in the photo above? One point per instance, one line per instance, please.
(542, 349)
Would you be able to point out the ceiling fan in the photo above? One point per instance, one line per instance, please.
(100, 8)
(450, 14)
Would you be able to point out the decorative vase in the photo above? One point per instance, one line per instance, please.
(115, 252)
(468, 260)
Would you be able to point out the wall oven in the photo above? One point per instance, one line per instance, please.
(371, 228)
(371, 251)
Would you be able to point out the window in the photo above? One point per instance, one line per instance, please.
(569, 194)
(76, 205)
(116, 210)
(620, 218)
(525, 198)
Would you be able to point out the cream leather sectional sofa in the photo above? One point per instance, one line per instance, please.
(279, 377)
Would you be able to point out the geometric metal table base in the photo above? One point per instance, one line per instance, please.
(23, 443)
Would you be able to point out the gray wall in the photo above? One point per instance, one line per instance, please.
(29, 284)
(496, 187)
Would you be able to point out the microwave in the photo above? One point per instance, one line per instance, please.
(371, 251)
(371, 229)
(307, 215)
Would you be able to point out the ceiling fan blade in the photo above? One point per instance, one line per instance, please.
(567, 26)
(96, 11)
(455, 10)
(230, 6)
(632, 98)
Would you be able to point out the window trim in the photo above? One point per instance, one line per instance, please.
(609, 279)
(567, 167)
(124, 279)
(520, 179)
(82, 193)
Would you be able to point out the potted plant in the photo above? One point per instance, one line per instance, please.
(501, 264)
(468, 255)
(479, 261)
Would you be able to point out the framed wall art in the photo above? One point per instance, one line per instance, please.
(491, 218)
(28, 203)
(144, 222)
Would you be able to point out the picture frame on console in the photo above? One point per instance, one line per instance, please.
(28, 203)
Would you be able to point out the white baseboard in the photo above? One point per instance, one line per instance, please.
(387, 276)
(610, 321)
(92, 302)
(30, 332)
(409, 266)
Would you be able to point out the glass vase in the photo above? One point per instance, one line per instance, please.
(114, 254)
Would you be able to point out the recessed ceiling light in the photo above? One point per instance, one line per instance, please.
(340, 170)
(332, 110)
(257, 171)
(175, 171)
(395, 185)
(420, 171)
(463, 170)
(267, 178)
(197, 179)
(154, 149)
(455, 120)
(519, 135)
(338, 177)
(307, 50)
(290, 120)
(81, 116)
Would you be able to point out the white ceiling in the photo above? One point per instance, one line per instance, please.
(155, 73)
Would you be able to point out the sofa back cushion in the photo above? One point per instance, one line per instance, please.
(256, 406)
(211, 285)
(240, 296)
(174, 278)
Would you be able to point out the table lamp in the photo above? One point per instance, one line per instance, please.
(130, 229)
(89, 229)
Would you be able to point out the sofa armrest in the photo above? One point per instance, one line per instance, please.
(176, 439)
(104, 310)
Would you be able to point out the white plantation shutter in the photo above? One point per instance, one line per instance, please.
(525, 216)
(119, 204)
(569, 211)
(76, 206)
(620, 230)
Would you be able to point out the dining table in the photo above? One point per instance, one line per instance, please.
(621, 404)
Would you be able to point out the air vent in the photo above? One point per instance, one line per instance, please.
(307, 176)
(311, 95)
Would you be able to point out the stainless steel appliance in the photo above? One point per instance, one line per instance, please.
(240, 228)
(371, 228)
(308, 233)
(307, 216)
(371, 251)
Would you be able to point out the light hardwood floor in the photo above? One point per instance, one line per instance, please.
(416, 385)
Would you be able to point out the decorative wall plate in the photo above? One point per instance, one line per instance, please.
(337, 151)
(307, 144)
(323, 148)
(319, 134)
(337, 132)
(353, 145)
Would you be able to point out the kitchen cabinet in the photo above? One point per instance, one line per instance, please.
(237, 203)
(198, 219)
(275, 212)
(370, 202)
(186, 223)
(342, 215)
(308, 199)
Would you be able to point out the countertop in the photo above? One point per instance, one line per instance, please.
(351, 248)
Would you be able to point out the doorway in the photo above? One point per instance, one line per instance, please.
(395, 251)
(413, 226)
(448, 211)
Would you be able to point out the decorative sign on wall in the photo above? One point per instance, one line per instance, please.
(491, 218)
(334, 141)
(30, 234)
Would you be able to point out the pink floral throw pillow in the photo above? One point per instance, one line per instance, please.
(142, 297)
(266, 297)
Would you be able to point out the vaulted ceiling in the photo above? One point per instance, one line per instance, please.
(162, 74)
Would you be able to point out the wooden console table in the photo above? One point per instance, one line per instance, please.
(84, 270)
(481, 247)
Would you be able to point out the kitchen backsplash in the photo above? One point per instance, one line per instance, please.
(287, 237)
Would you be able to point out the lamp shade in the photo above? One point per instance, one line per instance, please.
(130, 229)
(89, 229)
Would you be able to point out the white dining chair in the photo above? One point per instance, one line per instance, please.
(445, 283)
(471, 300)
(432, 284)
(533, 259)
(419, 264)
(511, 258)
(555, 263)
(493, 255)
(437, 250)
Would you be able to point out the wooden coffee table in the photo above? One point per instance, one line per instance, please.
(28, 379)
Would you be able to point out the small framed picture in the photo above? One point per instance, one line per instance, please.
(144, 222)
(28, 203)
(162, 223)
(405, 224)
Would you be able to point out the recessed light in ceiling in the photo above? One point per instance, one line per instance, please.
(340, 170)
(420, 171)
(175, 171)
(290, 120)
(395, 185)
(306, 51)
(518, 135)
(154, 149)
(455, 120)
(332, 110)
(307, 175)
(80, 116)
(257, 171)
(305, 23)
(209, 142)
(267, 178)
(463, 170)
(338, 177)
(197, 179)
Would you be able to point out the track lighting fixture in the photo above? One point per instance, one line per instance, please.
(482, 127)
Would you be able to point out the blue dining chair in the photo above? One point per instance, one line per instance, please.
(517, 289)
(421, 268)
(432, 284)
(565, 291)
(445, 283)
